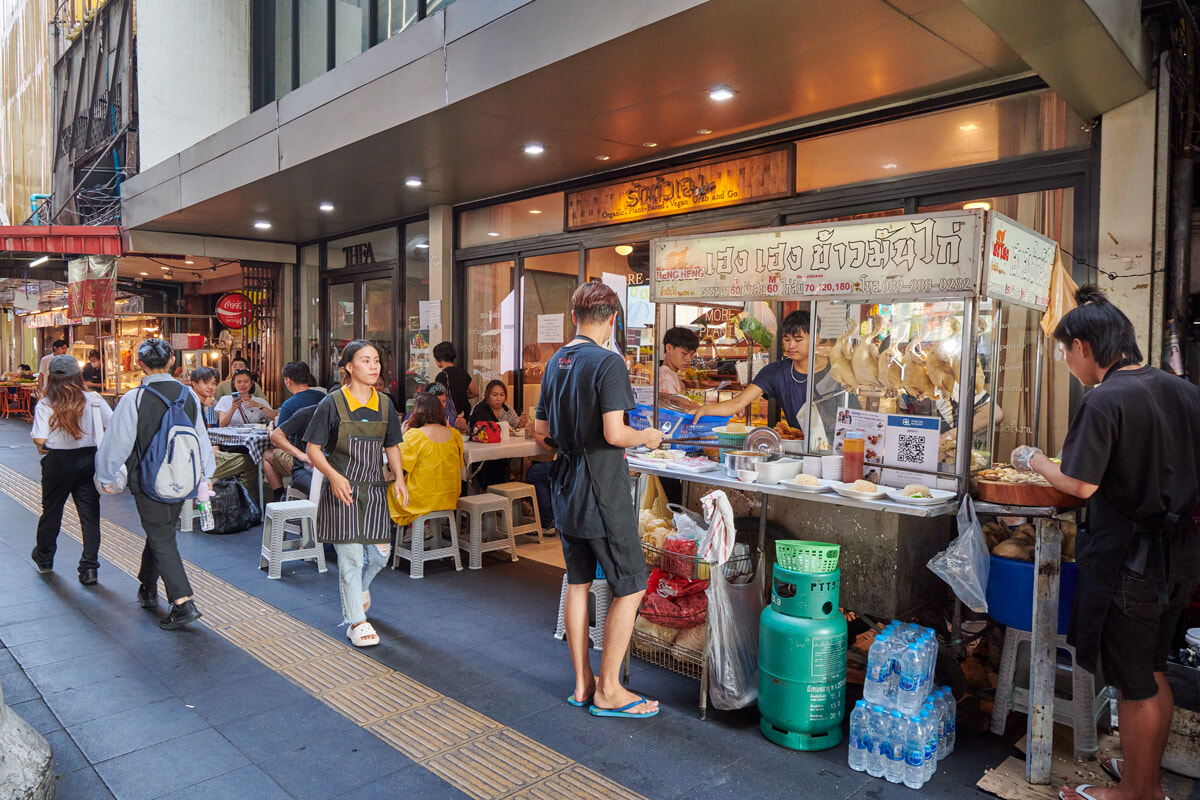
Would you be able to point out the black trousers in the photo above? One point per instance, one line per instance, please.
(68, 473)
(160, 557)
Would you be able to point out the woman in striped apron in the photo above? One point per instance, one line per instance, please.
(351, 431)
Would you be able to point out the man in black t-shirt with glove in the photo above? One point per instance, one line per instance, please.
(1133, 450)
(585, 394)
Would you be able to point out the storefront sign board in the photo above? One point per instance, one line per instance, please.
(920, 255)
(235, 310)
(92, 286)
(1019, 263)
(750, 178)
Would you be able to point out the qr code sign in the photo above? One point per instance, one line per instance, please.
(911, 449)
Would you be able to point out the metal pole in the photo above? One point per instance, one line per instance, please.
(966, 396)
(1037, 385)
(1043, 651)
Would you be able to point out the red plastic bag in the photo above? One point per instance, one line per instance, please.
(675, 602)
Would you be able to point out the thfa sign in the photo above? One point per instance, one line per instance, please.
(359, 254)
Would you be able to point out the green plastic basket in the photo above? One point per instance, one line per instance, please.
(731, 441)
(810, 557)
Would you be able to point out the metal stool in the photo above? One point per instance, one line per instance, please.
(416, 553)
(599, 599)
(187, 515)
(1082, 712)
(476, 507)
(276, 550)
(514, 492)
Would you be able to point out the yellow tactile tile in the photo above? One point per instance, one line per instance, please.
(497, 765)
(379, 697)
(578, 783)
(339, 670)
(432, 729)
(262, 629)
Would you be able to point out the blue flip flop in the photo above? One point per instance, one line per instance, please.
(623, 711)
(571, 699)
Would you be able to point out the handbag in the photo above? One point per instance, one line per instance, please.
(486, 432)
(234, 510)
(122, 478)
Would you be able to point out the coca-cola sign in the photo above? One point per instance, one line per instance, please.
(235, 310)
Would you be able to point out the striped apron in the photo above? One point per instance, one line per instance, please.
(359, 456)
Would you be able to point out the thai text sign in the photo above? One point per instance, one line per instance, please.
(92, 287)
(1019, 263)
(895, 256)
(754, 177)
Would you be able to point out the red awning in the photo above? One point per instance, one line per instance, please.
(99, 240)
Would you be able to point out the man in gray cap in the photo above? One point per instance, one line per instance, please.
(136, 419)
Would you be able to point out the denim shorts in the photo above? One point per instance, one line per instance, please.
(1137, 634)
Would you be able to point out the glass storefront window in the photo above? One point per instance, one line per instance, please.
(377, 247)
(314, 39)
(342, 310)
(519, 219)
(351, 29)
(283, 47)
(421, 338)
(547, 285)
(1036, 122)
(310, 302)
(393, 16)
(379, 306)
(628, 266)
(491, 323)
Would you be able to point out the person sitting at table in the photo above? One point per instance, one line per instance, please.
(288, 456)
(93, 375)
(494, 408)
(431, 455)
(26, 372)
(298, 380)
(246, 408)
(230, 464)
(458, 421)
(236, 365)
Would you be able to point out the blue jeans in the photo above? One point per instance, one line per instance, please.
(354, 578)
(538, 475)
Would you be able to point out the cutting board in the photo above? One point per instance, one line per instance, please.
(1024, 494)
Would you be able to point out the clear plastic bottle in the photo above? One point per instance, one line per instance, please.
(896, 647)
(931, 645)
(914, 753)
(912, 672)
(939, 702)
(860, 741)
(204, 507)
(951, 718)
(929, 730)
(894, 769)
(879, 670)
(877, 729)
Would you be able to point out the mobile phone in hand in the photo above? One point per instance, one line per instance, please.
(237, 396)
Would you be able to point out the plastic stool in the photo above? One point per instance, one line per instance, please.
(276, 550)
(187, 515)
(1082, 712)
(416, 553)
(601, 596)
(515, 492)
(476, 507)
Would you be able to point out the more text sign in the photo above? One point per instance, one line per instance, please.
(1019, 263)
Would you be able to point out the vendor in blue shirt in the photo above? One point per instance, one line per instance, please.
(785, 381)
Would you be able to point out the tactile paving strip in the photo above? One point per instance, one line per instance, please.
(471, 752)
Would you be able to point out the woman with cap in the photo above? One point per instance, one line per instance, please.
(67, 423)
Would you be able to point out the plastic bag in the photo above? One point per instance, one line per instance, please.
(965, 564)
(233, 509)
(1062, 295)
(733, 613)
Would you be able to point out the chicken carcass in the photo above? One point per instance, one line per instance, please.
(866, 356)
(891, 370)
(914, 374)
(942, 360)
(840, 360)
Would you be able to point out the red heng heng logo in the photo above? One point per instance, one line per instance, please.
(999, 248)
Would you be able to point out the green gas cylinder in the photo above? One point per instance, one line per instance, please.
(802, 661)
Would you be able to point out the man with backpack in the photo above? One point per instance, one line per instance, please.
(158, 438)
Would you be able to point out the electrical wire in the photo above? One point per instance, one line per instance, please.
(1112, 276)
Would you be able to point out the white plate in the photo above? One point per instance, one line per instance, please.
(845, 491)
(692, 467)
(824, 486)
(938, 497)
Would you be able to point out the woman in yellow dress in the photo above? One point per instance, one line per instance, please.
(432, 457)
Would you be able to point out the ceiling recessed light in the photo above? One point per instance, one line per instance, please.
(602, 158)
(414, 182)
(492, 233)
(649, 144)
(704, 131)
(534, 149)
(164, 267)
(535, 211)
(188, 261)
(262, 225)
(890, 165)
(721, 93)
(143, 273)
(970, 126)
(971, 206)
(326, 206)
(624, 249)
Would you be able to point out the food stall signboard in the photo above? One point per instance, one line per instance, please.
(235, 310)
(923, 254)
(1019, 263)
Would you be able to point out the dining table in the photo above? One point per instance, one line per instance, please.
(475, 453)
(256, 439)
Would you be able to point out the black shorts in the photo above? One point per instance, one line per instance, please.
(619, 556)
(1137, 634)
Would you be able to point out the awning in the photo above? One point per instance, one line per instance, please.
(22, 244)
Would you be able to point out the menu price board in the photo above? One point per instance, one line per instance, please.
(1019, 263)
(915, 255)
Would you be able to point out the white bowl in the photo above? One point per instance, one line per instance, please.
(747, 475)
(785, 469)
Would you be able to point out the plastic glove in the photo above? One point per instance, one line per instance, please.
(1021, 457)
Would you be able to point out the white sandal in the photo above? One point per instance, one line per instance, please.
(366, 601)
(362, 635)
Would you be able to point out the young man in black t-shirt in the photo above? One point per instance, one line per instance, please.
(1133, 450)
(458, 381)
(585, 394)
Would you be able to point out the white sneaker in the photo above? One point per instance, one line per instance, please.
(549, 532)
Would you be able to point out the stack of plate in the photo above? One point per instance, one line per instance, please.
(831, 467)
(812, 466)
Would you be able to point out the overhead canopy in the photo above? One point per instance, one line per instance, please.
(22, 244)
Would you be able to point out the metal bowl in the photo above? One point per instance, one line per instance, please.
(742, 459)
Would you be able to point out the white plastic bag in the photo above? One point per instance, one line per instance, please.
(965, 564)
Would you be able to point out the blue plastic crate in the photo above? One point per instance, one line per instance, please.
(676, 425)
(1010, 593)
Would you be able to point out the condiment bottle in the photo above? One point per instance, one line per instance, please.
(853, 447)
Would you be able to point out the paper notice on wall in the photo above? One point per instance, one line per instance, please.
(423, 314)
(912, 443)
(435, 313)
(550, 328)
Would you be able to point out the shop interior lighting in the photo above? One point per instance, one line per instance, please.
(970, 126)
(164, 267)
(624, 249)
(721, 93)
(188, 261)
(326, 206)
(492, 233)
(602, 158)
(984, 206)
(649, 144)
(39, 262)
(890, 165)
(414, 182)
(262, 225)
(143, 273)
(422, 246)
(535, 211)
(704, 131)
(534, 149)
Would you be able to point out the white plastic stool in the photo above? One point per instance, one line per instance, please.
(601, 595)
(476, 507)
(276, 550)
(416, 553)
(1082, 712)
(187, 515)
(515, 492)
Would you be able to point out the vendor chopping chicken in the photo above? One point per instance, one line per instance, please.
(1133, 450)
